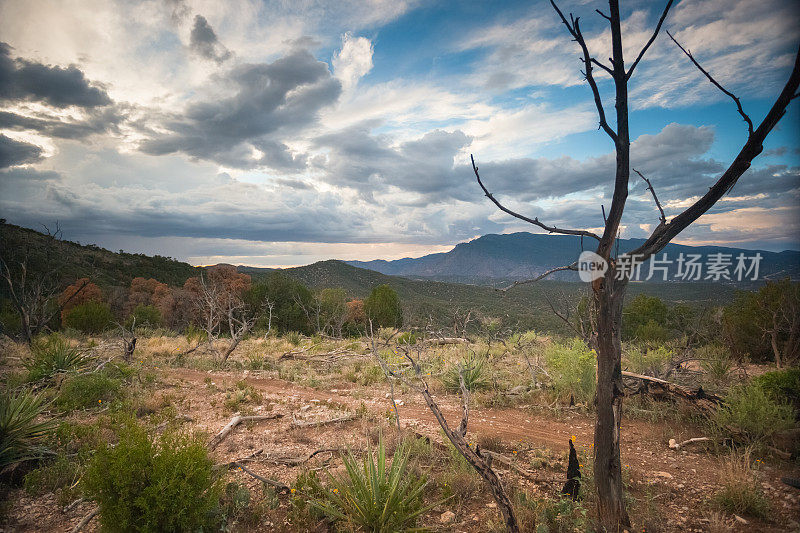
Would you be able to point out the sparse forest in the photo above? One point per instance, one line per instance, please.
(141, 393)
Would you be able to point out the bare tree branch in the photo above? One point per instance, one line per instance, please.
(753, 147)
(575, 30)
(717, 85)
(652, 38)
(573, 266)
(653, 191)
(534, 221)
(602, 66)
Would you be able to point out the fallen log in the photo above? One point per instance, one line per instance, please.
(235, 421)
(317, 423)
(658, 387)
(446, 340)
(297, 461)
(325, 357)
(675, 445)
(280, 487)
(85, 520)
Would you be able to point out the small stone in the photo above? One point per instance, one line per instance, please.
(491, 505)
(665, 475)
(305, 407)
(447, 516)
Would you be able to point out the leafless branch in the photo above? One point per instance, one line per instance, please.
(573, 26)
(603, 15)
(602, 66)
(573, 266)
(653, 191)
(652, 38)
(663, 234)
(534, 221)
(717, 85)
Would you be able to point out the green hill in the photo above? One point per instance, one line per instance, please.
(525, 306)
(73, 260)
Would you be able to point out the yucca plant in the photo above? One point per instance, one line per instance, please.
(20, 433)
(372, 496)
(51, 355)
(474, 370)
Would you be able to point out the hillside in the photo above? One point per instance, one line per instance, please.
(525, 306)
(496, 259)
(106, 268)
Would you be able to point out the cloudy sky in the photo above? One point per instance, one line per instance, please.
(282, 132)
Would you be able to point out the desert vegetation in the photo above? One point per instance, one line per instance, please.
(314, 419)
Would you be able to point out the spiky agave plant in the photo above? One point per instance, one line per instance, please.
(20, 433)
(51, 355)
(372, 496)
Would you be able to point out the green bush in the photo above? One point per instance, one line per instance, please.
(716, 361)
(89, 318)
(651, 362)
(165, 483)
(88, 390)
(752, 414)
(475, 374)
(20, 434)
(782, 384)
(572, 369)
(51, 355)
(407, 337)
(144, 316)
(370, 495)
(383, 307)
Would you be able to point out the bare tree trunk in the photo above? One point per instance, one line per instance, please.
(609, 295)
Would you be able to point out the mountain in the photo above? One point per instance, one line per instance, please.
(496, 259)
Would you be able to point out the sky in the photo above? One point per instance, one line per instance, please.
(279, 133)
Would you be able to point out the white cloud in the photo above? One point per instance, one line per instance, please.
(353, 61)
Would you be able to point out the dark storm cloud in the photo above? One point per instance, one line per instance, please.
(204, 41)
(96, 121)
(21, 79)
(17, 153)
(371, 163)
(270, 100)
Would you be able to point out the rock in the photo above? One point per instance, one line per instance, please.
(491, 505)
(665, 475)
(447, 517)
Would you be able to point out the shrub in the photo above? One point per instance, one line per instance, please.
(20, 434)
(383, 307)
(572, 368)
(88, 390)
(50, 355)
(293, 338)
(60, 473)
(782, 384)
(154, 484)
(741, 493)
(144, 316)
(716, 361)
(89, 318)
(752, 414)
(407, 337)
(651, 362)
(475, 374)
(372, 496)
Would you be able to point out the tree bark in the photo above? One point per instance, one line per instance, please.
(609, 294)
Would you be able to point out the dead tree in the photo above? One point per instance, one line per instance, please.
(608, 290)
(33, 277)
(480, 462)
(222, 308)
(128, 339)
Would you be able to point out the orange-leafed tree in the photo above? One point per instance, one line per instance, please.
(79, 292)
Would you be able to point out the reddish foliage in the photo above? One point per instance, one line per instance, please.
(86, 292)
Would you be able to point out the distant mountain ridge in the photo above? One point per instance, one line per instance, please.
(523, 255)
